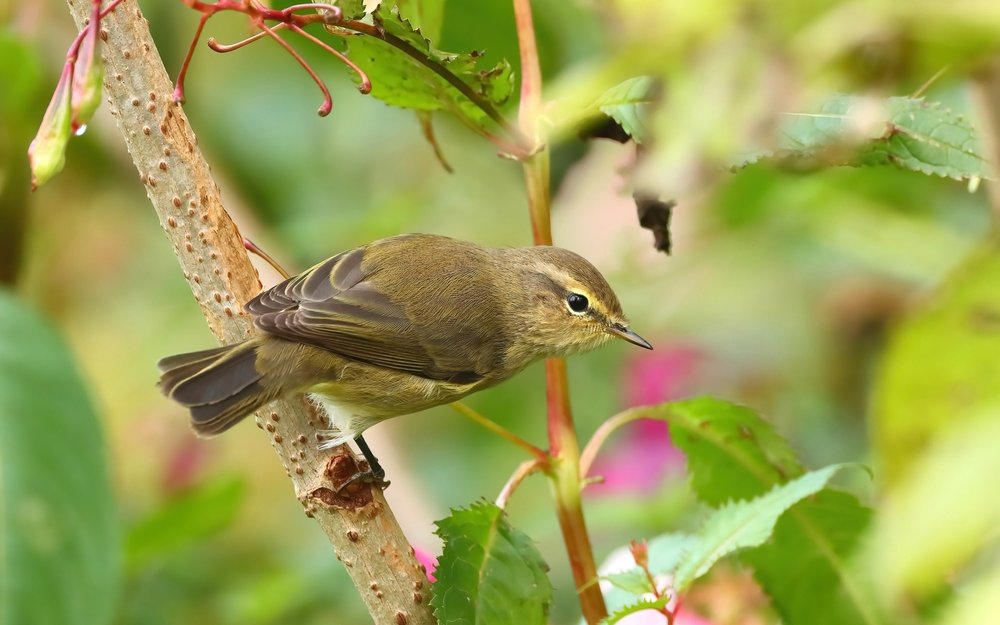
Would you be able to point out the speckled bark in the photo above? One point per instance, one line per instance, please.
(178, 181)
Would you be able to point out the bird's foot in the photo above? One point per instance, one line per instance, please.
(366, 476)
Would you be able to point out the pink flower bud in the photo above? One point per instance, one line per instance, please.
(47, 152)
(640, 552)
(87, 77)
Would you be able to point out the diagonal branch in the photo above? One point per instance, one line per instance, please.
(209, 248)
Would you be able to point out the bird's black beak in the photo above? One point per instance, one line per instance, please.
(622, 331)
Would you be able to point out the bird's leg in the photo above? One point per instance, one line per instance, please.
(375, 473)
(373, 466)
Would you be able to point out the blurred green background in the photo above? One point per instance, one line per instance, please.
(783, 291)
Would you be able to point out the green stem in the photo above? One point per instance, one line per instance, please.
(501, 431)
(563, 447)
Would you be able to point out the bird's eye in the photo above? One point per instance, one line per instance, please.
(577, 303)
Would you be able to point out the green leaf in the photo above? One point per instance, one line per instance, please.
(626, 103)
(632, 581)
(425, 15)
(734, 454)
(350, 9)
(805, 586)
(979, 602)
(19, 74)
(745, 524)
(625, 584)
(942, 516)
(908, 133)
(919, 394)
(184, 520)
(639, 606)
(489, 573)
(399, 79)
(60, 551)
(667, 550)
(665, 553)
(731, 452)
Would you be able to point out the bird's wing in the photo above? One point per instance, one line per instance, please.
(335, 306)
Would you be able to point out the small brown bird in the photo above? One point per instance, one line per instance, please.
(397, 326)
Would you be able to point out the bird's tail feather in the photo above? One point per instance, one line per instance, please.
(220, 386)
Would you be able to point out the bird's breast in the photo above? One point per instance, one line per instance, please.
(381, 394)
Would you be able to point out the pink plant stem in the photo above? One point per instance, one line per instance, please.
(223, 48)
(253, 248)
(92, 28)
(522, 471)
(327, 104)
(563, 447)
(332, 13)
(601, 435)
(259, 15)
(181, 75)
(365, 85)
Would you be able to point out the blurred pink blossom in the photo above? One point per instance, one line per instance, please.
(430, 562)
(643, 453)
(185, 461)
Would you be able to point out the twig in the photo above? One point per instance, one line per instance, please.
(253, 248)
(209, 248)
(498, 429)
(601, 435)
(327, 104)
(364, 83)
(522, 471)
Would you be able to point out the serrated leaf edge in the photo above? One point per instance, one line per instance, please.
(687, 573)
(642, 604)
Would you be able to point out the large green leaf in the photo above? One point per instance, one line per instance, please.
(744, 524)
(400, 69)
(425, 15)
(60, 550)
(804, 586)
(905, 132)
(489, 573)
(185, 519)
(979, 603)
(626, 103)
(941, 517)
(731, 452)
(909, 133)
(941, 364)
(734, 454)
